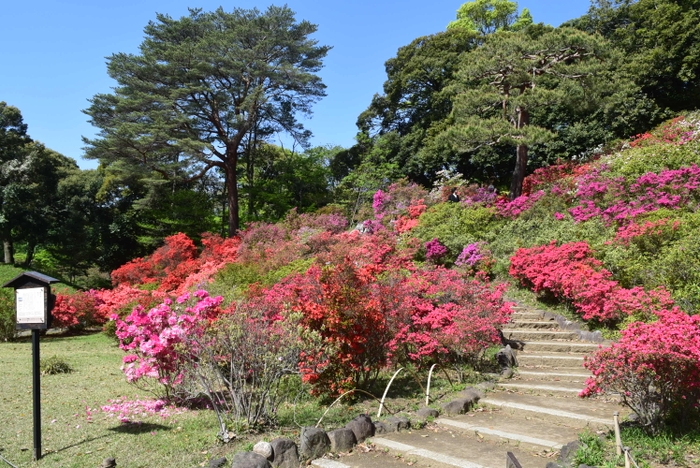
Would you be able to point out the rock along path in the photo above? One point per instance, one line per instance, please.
(533, 415)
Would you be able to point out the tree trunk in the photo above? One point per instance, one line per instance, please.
(31, 247)
(230, 167)
(9, 251)
(516, 184)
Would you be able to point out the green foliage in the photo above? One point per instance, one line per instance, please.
(514, 74)
(7, 315)
(488, 16)
(591, 450)
(402, 125)
(658, 38)
(455, 225)
(531, 230)
(635, 162)
(54, 365)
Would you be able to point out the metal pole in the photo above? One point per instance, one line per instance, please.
(37, 394)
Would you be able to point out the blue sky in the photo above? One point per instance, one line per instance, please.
(52, 54)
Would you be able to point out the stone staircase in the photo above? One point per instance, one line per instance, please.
(532, 415)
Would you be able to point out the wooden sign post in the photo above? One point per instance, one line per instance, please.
(33, 304)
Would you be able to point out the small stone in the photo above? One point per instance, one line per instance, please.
(314, 443)
(263, 448)
(108, 463)
(249, 460)
(284, 453)
(362, 426)
(218, 462)
(342, 440)
(397, 424)
(425, 413)
(459, 406)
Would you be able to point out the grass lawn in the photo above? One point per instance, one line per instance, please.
(71, 437)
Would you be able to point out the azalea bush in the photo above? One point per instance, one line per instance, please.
(570, 272)
(152, 337)
(240, 361)
(654, 367)
(438, 316)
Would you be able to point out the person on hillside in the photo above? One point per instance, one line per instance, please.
(454, 196)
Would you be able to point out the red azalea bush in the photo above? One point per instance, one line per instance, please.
(79, 309)
(570, 272)
(655, 367)
(177, 261)
(438, 316)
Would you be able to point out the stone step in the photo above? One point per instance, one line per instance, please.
(454, 448)
(542, 387)
(548, 374)
(559, 360)
(531, 325)
(520, 429)
(560, 346)
(526, 315)
(540, 335)
(569, 410)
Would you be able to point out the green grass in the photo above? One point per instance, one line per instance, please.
(69, 438)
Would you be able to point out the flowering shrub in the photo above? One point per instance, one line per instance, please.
(570, 272)
(77, 309)
(477, 259)
(439, 316)
(655, 367)
(560, 177)
(434, 250)
(678, 131)
(151, 337)
(616, 202)
(512, 209)
(338, 305)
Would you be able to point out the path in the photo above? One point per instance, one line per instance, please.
(533, 415)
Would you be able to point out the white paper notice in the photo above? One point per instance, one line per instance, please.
(30, 305)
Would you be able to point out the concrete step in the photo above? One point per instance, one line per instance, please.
(519, 429)
(526, 315)
(542, 387)
(540, 335)
(559, 360)
(563, 409)
(455, 448)
(560, 347)
(549, 374)
(531, 325)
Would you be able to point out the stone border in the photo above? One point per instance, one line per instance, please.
(314, 442)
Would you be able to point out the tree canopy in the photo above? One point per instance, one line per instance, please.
(202, 86)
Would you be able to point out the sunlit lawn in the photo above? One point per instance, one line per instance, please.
(71, 437)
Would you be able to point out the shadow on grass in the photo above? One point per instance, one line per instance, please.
(85, 441)
(138, 428)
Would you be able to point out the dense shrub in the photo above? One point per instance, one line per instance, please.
(152, 338)
(439, 316)
(7, 315)
(654, 367)
(455, 225)
(571, 273)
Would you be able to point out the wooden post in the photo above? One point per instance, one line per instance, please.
(618, 439)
